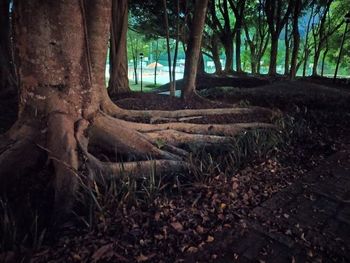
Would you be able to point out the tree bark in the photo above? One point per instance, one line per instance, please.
(119, 82)
(273, 55)
(8, 78)
(194, 49)
(306, 49)
(323, 61)
(287, 55)
(65, 112)
(316, 60)
(238, 44)
(296, 39)
(216, 56)
(228, 46)
(276, 21)
(166, 21)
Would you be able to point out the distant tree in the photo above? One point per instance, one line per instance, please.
(277, 14)
(220, 21)
(322, 30)
(238, 7)
(136, 45)
(307, 47)
(8, 76)
(296, 37)
(257, 33)
(159, 48)
(287, 43)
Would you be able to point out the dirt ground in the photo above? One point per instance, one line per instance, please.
(175, 217)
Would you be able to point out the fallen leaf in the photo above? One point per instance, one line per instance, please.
(192, 250)
(210, 239)
(103, 252)
(157, 216)
(235, 186)
(200, 230)
(177, 226)
(141, 258)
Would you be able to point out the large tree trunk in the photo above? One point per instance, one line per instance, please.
(8, 80)
(65, 112)
(119, 82)
(193, 51)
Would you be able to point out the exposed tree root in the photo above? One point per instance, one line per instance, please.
(137, 169)
(124, 140)
(62, 150)
(16, 159)
(153, 115)
(178, 138)
(159, 142)
(204, 129)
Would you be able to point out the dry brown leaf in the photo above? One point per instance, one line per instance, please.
(157, 216)
(192, 250)
(235, 186)
(200, 230)
(141, 258)
(102, 252)
(210, 239)
(177, 226)
(223, 206)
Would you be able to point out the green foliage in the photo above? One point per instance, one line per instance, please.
(147, 18)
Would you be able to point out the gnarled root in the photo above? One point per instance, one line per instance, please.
(156, 145)
(70, 143)
(17, 155)
(62, 150)
(178, 115)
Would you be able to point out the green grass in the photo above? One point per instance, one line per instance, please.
(146, 86)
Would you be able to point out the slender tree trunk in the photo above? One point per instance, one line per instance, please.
(194, 49)
(296, 40)
(228, 46)
(176, 42)
(135, 60)
(253, 65)
(316, 60)
(273, 55)
(8, 78)
(323, 61)
(134, 51)
(166, 20)
(238, 45)
(119, 82)
(287, 55)
(201, 64)
(216, 58)
(306, 49)
(156, 61)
